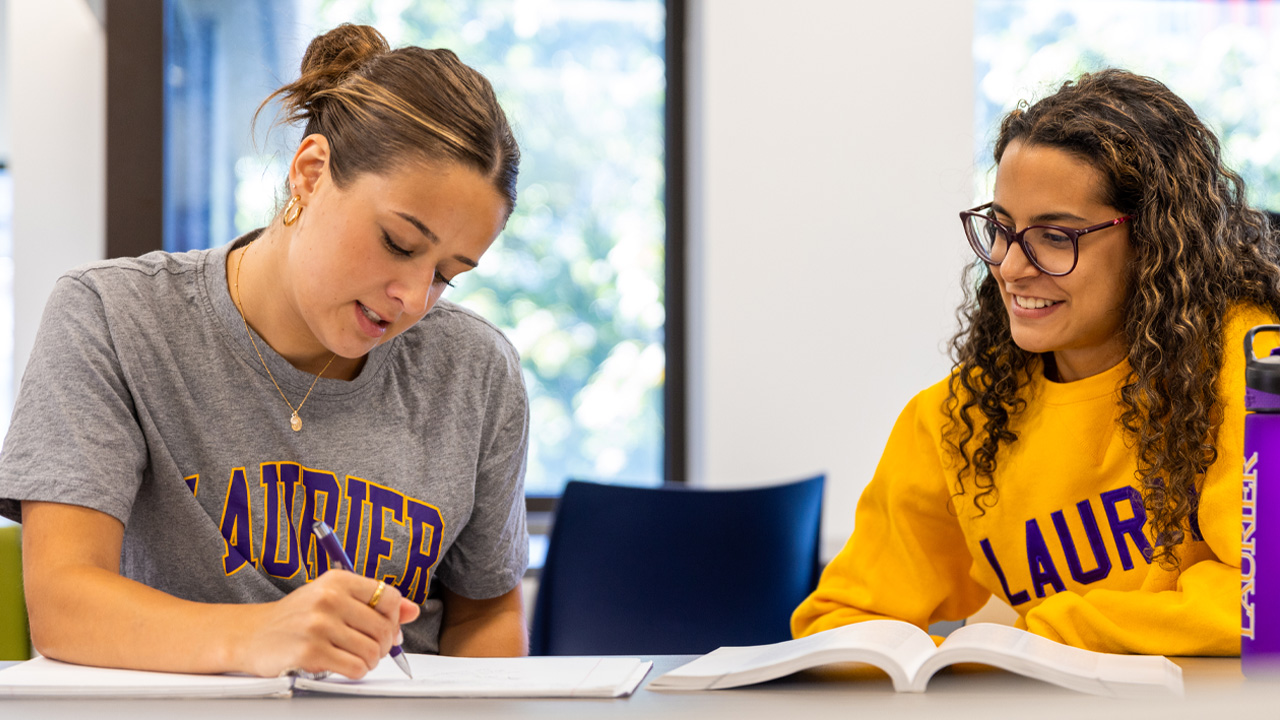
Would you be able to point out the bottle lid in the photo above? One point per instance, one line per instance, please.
(1261, 374)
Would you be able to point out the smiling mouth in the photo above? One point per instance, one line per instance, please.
(1027, 303)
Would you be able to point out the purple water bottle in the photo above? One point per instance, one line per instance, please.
(1260, 512)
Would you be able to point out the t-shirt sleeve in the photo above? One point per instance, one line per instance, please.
(74, 436)
(907, 559)
(491, 553)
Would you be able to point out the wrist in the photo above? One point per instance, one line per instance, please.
(229, 629)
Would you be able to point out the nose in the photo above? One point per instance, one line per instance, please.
(413, 294)
(1016, 265)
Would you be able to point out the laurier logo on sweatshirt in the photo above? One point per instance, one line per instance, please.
(361, 512)
(1125, 518)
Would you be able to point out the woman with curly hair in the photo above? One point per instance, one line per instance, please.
(1083, 459)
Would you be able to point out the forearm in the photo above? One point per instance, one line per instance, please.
(484, 628)
(820, 612)
(901, 564)
(92, 616)
(501, 636)
(82, 610)
(1200, 617)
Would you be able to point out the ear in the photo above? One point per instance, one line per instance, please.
(310, 166)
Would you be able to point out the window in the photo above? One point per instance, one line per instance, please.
(577, 280)
(1221, 57)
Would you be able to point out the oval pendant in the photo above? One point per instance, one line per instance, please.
(295, 422)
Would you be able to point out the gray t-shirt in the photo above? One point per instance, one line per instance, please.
(145, 400)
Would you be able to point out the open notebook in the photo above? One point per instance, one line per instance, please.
(435, 677)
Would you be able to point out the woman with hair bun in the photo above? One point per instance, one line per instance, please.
(1083, 460)
(186, 418)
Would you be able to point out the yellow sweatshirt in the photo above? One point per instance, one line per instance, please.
(1064, 544)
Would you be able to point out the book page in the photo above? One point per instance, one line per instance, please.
(1028, 654)
(1135, 681)
(435, 676)
(897, 647)
(43, 677)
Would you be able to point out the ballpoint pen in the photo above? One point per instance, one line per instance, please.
(337, 555)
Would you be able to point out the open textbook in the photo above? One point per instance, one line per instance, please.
(909, 656)
(435, 677)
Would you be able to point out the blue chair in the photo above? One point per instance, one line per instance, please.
(674, 570)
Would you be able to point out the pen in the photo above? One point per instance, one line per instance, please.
(330, 543)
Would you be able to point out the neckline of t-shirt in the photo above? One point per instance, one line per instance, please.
(1104, 384)
(294, 382)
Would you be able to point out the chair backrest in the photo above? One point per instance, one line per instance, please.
(650, 571)
(15, 638)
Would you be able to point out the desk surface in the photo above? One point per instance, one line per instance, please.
(1214, 689)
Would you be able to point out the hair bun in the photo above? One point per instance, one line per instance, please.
(334, 55)
(379, 107)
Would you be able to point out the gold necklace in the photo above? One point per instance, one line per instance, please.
(295, 422)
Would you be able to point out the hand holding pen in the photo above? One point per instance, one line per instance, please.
(338, 558)
(324, 626)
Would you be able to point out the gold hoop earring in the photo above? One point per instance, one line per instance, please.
(293, 210)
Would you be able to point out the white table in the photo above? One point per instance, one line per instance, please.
(1215, 690)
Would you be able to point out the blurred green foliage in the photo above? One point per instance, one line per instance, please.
(576, 279)
(1223, 58)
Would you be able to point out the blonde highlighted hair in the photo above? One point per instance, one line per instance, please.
(381, 109)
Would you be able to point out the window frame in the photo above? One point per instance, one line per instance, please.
(135, 186)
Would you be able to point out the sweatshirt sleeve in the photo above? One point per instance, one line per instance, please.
(907, 558)
(1200, 615)
(1193, 609)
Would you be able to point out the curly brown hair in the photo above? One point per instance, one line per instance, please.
(1199, 249)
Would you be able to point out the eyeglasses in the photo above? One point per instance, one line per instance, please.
(1053, 249)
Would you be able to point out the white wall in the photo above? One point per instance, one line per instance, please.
(58, 121)
(832, 147)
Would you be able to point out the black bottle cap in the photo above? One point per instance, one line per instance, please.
(1261, 373)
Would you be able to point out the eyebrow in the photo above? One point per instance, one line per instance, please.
(435, 239)
(1043, 217)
